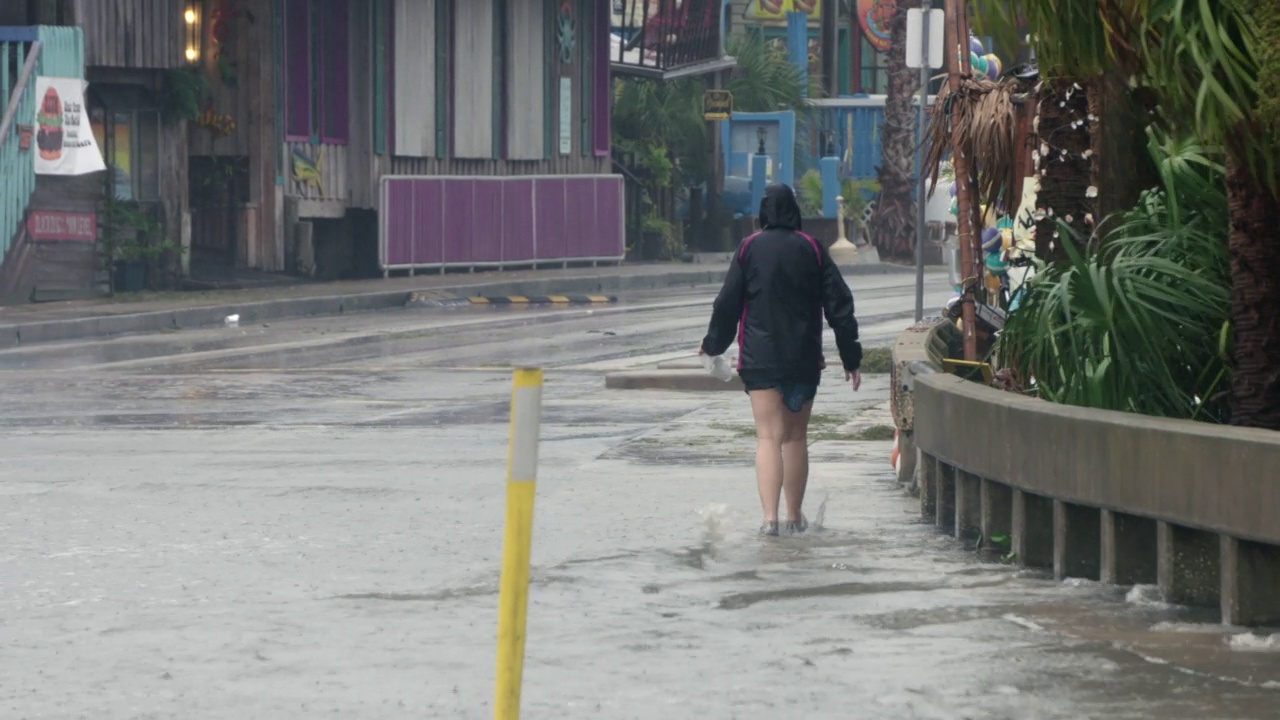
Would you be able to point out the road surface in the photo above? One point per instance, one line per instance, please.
(304, 520)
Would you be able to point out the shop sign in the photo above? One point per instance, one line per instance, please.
(76, 227)
(63, 133)
(717, 105)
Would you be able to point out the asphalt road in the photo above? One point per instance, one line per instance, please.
(303, 520)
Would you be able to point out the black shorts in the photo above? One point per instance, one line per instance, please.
(795, 394)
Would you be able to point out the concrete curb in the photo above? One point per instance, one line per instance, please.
(542, 299)
(287, 308)
(674, 380)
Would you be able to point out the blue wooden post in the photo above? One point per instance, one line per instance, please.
(798, 43)
(759, 170)
(829, 167)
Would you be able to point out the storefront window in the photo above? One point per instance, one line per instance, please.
(873, 75)
(147, 148)
(130, 143)
(120, 156)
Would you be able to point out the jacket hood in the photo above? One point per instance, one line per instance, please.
(779, 209)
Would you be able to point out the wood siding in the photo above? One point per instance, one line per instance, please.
(364, 164)
(473, 79)
(348, 174)
(246, 96)
(137, 34)
(335, 174)
(415, 77)
(533, 122)
(526, 80)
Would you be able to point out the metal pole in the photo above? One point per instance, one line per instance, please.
(920, 190)
(957, 44)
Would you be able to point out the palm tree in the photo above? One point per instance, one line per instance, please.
(1083, 81)
(1205, 63)
(1201, 63)
(893, 226)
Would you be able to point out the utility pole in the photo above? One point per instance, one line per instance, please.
(957, 42)
(925, 50)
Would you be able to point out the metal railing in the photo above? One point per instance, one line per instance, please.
(660, 38)
(25, 53)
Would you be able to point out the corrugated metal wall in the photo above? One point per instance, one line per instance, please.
(415, 77)
(131, 33)
(473, 79)
(503, 221)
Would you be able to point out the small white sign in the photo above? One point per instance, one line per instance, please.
(64, 138)
(566, 115)
(916, 41)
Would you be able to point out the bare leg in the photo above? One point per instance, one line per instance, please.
(795, 459)
(768, 409)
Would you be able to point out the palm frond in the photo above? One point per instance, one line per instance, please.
(985, 114)
(1129, 326)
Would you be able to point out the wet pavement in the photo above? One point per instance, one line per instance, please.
(305, 520)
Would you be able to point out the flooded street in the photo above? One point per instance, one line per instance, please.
(304, 520)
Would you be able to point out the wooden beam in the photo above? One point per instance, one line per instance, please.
(957, 44)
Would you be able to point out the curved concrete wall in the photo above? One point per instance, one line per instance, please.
(1204, 476)
(1105, 495)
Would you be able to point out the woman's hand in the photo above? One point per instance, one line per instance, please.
(854, 378)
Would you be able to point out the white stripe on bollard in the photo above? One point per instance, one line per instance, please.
(525, 424)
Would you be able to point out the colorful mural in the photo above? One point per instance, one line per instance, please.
(778, 9)
(874, 16)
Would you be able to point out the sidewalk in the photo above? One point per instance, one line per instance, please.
(156, 312)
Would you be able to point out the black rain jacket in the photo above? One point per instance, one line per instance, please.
(780, 285)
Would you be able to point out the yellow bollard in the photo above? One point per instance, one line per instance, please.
(513, 597)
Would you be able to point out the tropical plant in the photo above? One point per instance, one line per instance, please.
(183, 92)
(809, 192)
(1202, 65)
(984, 121)
(893, 225)
(1141, 323)
(130, 233)
(659, 236)
(1090, 122)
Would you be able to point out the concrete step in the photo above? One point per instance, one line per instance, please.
(685, 363)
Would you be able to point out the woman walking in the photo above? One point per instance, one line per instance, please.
(779, 287)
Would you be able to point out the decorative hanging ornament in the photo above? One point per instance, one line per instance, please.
(975, 46)
(990, 239)
(995, 68)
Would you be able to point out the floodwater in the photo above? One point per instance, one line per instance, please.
(305, 520)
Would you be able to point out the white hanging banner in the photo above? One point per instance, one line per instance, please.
(64, 138)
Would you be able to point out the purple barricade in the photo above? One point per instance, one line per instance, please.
(496, 221)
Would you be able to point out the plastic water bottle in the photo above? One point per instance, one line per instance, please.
(718, 366)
